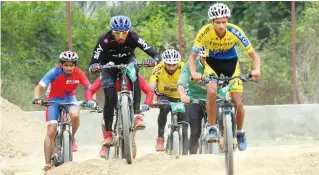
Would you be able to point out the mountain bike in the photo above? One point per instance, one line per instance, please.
(174, 142)
(226, 118)
(63, 137)
(124, 114)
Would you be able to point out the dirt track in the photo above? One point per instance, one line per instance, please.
(22, 151)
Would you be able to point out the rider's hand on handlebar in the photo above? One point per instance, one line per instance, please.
(185, 99)
(151, 62)
(91, 104)
(94, 67)
(255, 73)
(38, 101)
(196, 76)
(144, 107)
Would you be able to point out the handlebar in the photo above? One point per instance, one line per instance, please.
(121, 66)
(47, 103)
(81, 103)
(160, 103)
(244, 78)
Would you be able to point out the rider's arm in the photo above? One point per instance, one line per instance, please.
(181, 91)
(146, 47)
(183, 81)
(93, 89)
(256, 60)
(192, 63)
(243, 40)
(154, 77)
(147, 90)
(45, 81)
(98, 52)
(198, 43)
(84, 81)
(38, 90)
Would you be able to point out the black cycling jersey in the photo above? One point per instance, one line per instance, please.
(108, 49)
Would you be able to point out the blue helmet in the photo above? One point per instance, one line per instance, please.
(120, 23)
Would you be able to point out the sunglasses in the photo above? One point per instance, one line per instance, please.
(120, 33)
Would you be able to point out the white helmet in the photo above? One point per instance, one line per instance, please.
(69, 56)
(171, 56)
(218, 10)
(202, 52)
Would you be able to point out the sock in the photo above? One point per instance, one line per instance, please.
(240, 130)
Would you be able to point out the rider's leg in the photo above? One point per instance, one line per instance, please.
(134, 145)
(212, 70)
(110, 102)
(74, 113)
(49, 142)
(161, 121)
(211, 111)
(184, 117)
(195, 113)
(239, 110)
(104, 148)
(139, 123)
(236, 94)
(52, 113)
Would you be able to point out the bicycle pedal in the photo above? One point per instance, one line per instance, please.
(139, 128)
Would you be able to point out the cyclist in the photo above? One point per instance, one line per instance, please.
(92, 103)
(117, 46)
(194, 112)
(63, 80)
(221, 40)
(163, 81)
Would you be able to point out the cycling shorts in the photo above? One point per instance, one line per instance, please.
(53, 112)
(228, 68)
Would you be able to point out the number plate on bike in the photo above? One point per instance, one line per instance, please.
(223, 92)
(131, 72)
(177, 107)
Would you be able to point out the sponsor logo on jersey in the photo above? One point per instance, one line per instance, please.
(143, 43)
(170, 89)
(120, 55)
(72, 81)
(97, 52)
(201, 36)
(240, 36)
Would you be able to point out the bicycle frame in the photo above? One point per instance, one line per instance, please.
(124, 91)
(64, 124)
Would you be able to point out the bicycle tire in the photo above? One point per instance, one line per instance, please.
(229, 150)
(67, 146)
(127, 134)
(176, 143)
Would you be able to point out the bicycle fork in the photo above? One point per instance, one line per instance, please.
(227, 108)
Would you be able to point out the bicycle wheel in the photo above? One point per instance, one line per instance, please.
(168, 148)
(228, 134)
(176, 143)
(127, 134)
(203, 147)
(56, 160)
(66, 145)
(110, 153)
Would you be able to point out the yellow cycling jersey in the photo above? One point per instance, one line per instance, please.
(221, 48)
(166, 83)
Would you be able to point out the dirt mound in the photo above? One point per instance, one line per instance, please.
(21, 134)
(246, 163)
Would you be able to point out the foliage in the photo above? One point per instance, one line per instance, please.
(34, 34)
